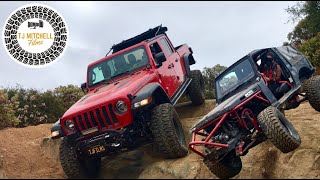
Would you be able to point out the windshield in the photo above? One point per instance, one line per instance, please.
(234, 78)
(117, 65)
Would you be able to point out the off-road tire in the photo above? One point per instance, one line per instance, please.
(168, 135)
(304, 86)
(278, 129)
(73, 166)
(196, 88)
(312, 88)
(227, 168)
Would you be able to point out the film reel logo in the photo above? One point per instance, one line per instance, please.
(35, 35)
(34, 24)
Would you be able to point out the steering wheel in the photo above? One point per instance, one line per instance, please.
(264, 78)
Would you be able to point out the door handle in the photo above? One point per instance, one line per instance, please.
(170, 66)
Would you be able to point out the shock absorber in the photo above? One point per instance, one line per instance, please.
(248, 119)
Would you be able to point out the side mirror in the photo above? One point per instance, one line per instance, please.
(160, 58)
(84, 87)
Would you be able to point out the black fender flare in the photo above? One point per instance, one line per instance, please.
(188, 60)
(154, 90)
(57, 127)
(305, 73)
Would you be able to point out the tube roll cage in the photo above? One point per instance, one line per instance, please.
(218, 121)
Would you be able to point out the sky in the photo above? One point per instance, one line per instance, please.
(219, 32)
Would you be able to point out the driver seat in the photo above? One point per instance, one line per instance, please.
(106, 71)
(120, 64)
(132, 59)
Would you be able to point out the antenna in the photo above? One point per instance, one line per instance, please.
(109, 51)
(158, 30)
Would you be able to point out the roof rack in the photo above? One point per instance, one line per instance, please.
(151, 33)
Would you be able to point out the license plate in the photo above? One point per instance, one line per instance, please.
(96, 150)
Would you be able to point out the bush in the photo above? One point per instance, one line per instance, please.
(37, 107)
(8, 108)
(311, 48)
(68, 95)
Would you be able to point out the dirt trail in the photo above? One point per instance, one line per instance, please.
(24, 155)
(29, 153)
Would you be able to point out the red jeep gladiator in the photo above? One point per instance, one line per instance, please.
(129, 102)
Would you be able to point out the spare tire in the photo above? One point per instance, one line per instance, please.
(312, 89)
(278, 129)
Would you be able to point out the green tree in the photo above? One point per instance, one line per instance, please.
(209, 75)
(306, 34)
(311, 48)
(307, 14)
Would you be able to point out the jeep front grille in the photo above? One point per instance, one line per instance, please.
(98, 117)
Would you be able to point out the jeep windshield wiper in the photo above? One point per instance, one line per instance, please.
(120, 74)
(105, 81)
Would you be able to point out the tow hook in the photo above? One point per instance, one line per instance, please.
(239, 150)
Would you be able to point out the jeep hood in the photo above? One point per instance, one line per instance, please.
(105, 93)
(225, 106)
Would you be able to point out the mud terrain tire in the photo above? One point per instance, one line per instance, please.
(73, 167)
(168, 135)
(227, 168)
(312, 88)
(278, 129)
(195, 89)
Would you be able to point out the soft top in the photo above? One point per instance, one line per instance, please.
(151, 33)
(290, 53)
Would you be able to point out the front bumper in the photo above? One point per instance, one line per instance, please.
(110, 141)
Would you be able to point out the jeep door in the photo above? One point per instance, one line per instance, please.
(173, 57)
(167, 75)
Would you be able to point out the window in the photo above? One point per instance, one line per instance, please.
(234, 77)
(259, 62)
(138, 55)
(166, 46)
(118, 65)
(228, 81)
(155, 49)
(97, 75)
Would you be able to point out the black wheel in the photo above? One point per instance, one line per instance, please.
(228, 167)
(169, 138)
(312, 88)
(195, 89)
(279, 129)
(73, 166)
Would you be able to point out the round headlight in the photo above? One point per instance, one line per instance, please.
(69, 125)
(121, 107)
